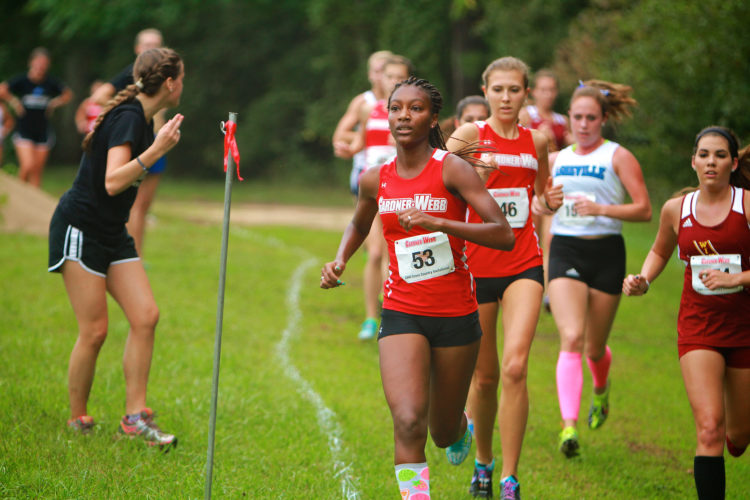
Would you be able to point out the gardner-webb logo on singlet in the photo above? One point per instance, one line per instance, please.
(423, 202)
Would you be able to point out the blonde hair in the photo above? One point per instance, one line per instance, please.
(507, 63)
(380, 54)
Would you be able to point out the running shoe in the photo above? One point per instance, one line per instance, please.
(470, 425)
(146, 429)
(545, 303)
(458, 451)
(369, 327)
(510, 488)
(83, 424)
(734, 450)
(481, 482)
(599, 409)
(569, 442)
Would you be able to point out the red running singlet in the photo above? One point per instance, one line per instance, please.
(378, 146)
(558, 124)
(512, 186)
(714, 320)
(450, 294)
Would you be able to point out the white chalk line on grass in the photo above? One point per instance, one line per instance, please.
(326, 417)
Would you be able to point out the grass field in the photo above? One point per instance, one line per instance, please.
(301, 411)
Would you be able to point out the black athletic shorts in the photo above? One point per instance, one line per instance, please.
(440, 331)
(93, 251)
(492, 289)
(600, 263)
(44, 137)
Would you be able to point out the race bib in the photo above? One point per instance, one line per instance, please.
(424, 256)
(727, 263)
(514, 202)
(567, 214)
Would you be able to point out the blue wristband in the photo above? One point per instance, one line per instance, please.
(144, 167)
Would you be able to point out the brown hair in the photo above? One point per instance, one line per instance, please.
(150, 70)
(613, 98)
(437, 138)
(741, 175)
(507, 63)
(545, 73)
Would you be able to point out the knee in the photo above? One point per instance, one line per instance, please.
(514, 370)
(485, 382)
(571, 340)
(93, 335)
(408, 427)
(445, 437)
(710, 432)
(147, 319)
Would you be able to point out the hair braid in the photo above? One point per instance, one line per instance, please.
(150, 70)
(469, 152)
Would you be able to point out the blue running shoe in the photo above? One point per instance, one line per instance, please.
(369, 327)
(458, 451)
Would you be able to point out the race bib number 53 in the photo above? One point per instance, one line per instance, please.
(424, 256)
(729, 263)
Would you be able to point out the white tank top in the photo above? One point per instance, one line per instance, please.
(589, 176)
(359, 159)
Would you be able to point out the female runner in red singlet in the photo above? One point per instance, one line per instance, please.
(711, 228)
(428, 343)
(514, 279)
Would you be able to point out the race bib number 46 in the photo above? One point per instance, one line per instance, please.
(728, 263)
(568, 215)
(514, 202)
(424, 256)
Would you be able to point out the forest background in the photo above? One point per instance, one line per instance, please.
(290, 68)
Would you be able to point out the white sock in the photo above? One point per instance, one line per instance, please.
(413, 481)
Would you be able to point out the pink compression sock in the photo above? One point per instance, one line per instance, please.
(600, 369)
(569, 384)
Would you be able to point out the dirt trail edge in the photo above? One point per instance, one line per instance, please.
(257, 214)
(26, 209)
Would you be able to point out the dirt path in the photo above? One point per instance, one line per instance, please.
(24, 208)
(255, 214)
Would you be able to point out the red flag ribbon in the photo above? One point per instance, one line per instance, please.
(230, 146)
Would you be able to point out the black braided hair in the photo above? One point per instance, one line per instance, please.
(471, 152)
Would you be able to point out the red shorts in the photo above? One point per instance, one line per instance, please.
(734, 357)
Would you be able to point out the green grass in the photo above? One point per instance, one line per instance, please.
(269, 443)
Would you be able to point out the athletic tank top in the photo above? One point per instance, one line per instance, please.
(558, 124)
(92, 113)
(512, 187)
(358, 160)
(589, 176)
(378, 150)
(427, 271)
(720, 317)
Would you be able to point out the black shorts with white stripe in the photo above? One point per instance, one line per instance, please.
(95, 252)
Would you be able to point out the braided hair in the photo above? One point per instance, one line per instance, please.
(470, 152)
(150, 70)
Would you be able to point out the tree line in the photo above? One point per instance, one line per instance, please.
(290, 68)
